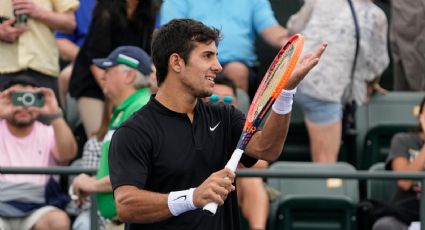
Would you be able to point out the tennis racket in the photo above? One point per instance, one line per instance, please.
(270, 87)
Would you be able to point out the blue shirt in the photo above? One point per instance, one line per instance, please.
(238, 20)
(83, 17)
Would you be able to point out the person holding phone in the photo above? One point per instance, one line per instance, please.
(24, 141)
(27, 38)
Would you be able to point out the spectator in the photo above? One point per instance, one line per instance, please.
(69, 44)
(252, 195)
(321, 94)
(115, 23)
(407, 40)
(176, 142)
(240, 21)
(29, 47)
(91, 156)
(25, 142)
(407, 153)
(127, 82)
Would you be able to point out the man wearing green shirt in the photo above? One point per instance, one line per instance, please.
(125, 84)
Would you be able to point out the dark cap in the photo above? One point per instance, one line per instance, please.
(131, 56)
(21, 80)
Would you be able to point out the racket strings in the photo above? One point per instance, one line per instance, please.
(273, 78)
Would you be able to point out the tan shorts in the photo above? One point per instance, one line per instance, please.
(24, 223)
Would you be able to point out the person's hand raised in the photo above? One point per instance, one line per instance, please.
(50, 107)
(304, 66)
(7, 108)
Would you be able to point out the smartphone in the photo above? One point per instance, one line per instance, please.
(27, 99)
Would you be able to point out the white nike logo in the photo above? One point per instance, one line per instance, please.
(213, 128)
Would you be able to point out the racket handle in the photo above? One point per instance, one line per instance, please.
(211, 208)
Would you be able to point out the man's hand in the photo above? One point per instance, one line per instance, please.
(8, 33)
(82, 186)
(50, 107)
(215, 188)
(304, 66)
(27, 7)
(7, 108)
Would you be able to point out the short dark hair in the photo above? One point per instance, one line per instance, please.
(21, 80)
(178, 36)
(222, 79)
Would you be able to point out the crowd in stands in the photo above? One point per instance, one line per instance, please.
(98, 54)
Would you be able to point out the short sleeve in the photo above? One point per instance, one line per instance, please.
(263, 16)
(399, 148)
(62, 6)
(171, 9)
(129, 157)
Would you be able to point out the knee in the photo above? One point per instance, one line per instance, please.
(236, 69)
(388, 223)
(54, 220)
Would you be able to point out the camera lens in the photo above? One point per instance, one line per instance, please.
(27, 99)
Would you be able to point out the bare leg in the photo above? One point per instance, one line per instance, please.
(52, 220)
(253, 199)
(325, 141)
(63, 81)
(239, 73)
(91, 113)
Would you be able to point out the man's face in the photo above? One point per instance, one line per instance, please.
(113, 81)
(23, 116)
(201, 69)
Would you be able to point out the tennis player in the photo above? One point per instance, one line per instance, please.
(166, 161)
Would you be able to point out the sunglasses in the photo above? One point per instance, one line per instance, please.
(216, 98)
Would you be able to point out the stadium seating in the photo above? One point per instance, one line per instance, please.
(313, 203)
(379, 119)
(382, 190)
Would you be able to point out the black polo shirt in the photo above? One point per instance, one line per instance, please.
(162, 151)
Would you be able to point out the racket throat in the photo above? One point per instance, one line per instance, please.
(232, 164)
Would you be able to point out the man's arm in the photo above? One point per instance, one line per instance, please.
(141, 206)
(65, 145)
(275, 35)
(268, 143)
(56, 21)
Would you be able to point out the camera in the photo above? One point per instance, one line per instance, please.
(27, 99)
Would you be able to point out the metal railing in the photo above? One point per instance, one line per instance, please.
(359, 175)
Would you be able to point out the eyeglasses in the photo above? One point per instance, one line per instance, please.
(216, 98)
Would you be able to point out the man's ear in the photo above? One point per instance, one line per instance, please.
(175, 63)
(130, 76)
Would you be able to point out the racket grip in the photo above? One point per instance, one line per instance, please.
(211, 208)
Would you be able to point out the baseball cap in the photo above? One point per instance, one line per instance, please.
(131, 56)
(21, 80)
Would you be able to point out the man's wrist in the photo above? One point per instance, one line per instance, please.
(283, 103)
(49, 119)
(181, 201)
